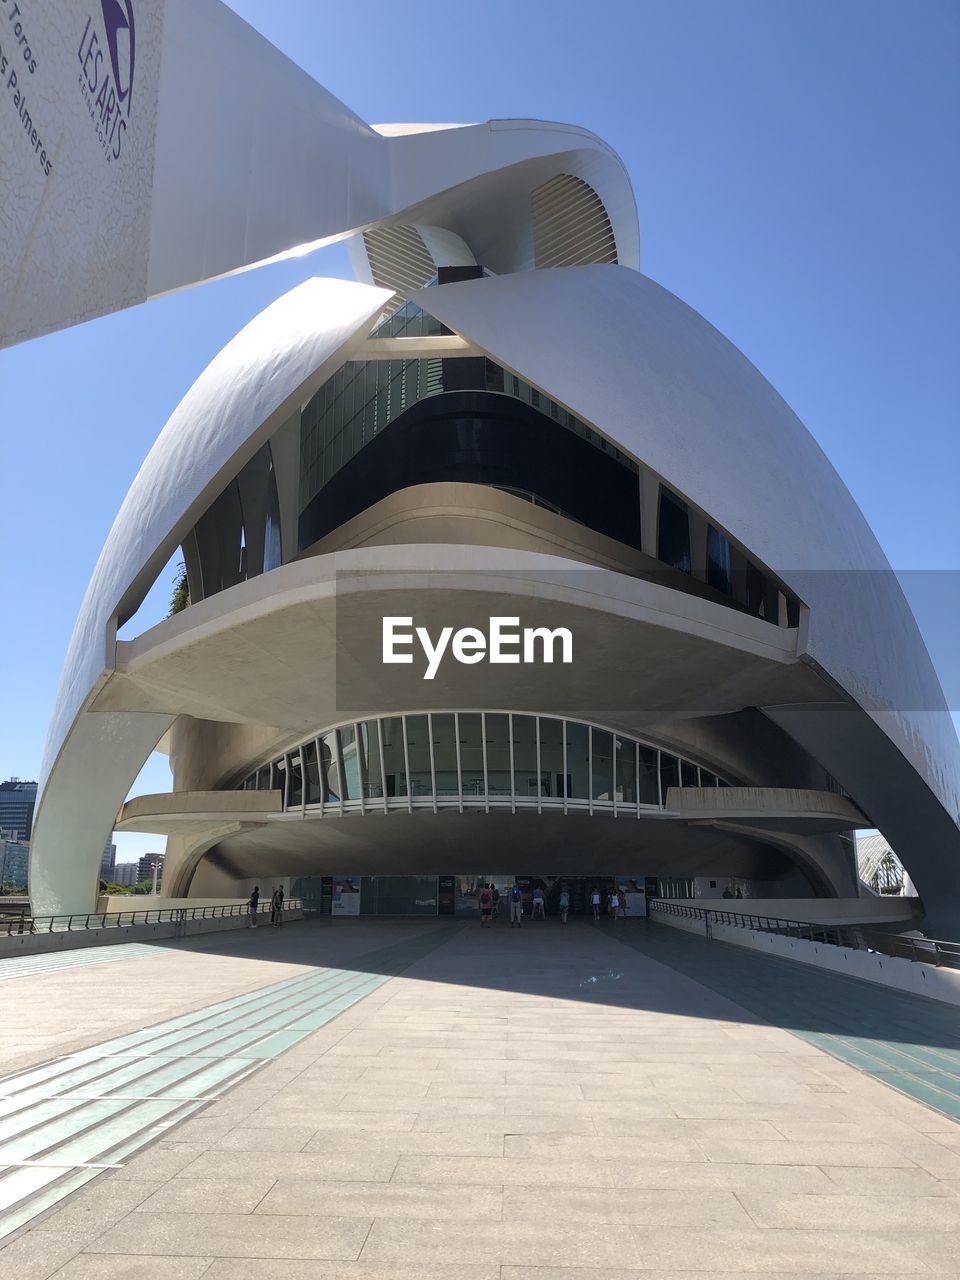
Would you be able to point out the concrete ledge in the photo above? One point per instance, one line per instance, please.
(21, 944)
(866, 911)
(773, 808)
(173, 811)
(892, 972)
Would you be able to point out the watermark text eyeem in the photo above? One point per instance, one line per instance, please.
(504, 642)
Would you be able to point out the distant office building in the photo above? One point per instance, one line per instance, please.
(126, 873)
(17, 800)
(146, 865)
(108, 862)
(14, 859)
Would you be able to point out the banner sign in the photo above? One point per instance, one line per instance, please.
(146, 145)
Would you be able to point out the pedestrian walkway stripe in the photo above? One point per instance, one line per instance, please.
(64, 1121)
(78, 958)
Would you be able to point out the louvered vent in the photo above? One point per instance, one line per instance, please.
(398, 258)
(570, 224)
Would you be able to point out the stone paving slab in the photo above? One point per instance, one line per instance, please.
(63, 1011)
(65, 1120)
(492, 1114)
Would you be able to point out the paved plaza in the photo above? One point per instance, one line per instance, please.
(545, 1104)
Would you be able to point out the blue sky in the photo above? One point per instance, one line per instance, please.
(797, 180)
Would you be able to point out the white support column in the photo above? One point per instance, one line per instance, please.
(383, 770)
(433, 764)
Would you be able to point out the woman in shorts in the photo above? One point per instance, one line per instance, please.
(564, 904)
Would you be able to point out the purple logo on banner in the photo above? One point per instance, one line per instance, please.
(108, 89)
(121, 41)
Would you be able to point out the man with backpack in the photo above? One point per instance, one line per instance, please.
(516, 905)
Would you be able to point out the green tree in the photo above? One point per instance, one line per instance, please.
(180, 597)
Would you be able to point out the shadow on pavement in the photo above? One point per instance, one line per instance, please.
(601, 964)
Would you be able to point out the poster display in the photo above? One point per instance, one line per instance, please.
(634, 891)
(346, 896)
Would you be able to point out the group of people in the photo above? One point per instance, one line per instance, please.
(490, 897)
(276, 907)
(615, 903)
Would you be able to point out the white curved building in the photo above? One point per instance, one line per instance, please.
(502, 418)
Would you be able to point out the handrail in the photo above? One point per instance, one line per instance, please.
(12, 923)
(920, 949)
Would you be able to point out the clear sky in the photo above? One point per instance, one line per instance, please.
(797, 178)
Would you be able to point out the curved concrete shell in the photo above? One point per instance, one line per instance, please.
(564, 447)
(218, 123)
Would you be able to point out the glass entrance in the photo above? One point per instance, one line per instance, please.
(580, 889)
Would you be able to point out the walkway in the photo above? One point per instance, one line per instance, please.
(913, 1045)
(542, 1104)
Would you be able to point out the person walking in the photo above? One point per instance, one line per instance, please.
(516, 905)
(253, 906)
(495, 895)
(564, 904)
(486, 906)
(538, 904)
(595, 902)
(615, 902)
(276, 907)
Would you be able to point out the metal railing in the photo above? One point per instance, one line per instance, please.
(906, 947)
(23, 922)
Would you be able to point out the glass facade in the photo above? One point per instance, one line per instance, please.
(673, 533)
(476, 759)
(525, 770)
(368, 750)
(499, 772)
(718, 561)
(472, 756)
(364, 396)
(577, 742)
(238, 536)
(394, 756)
(418, 755)
(447, 771)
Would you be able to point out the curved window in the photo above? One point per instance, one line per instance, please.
(673, 533)
(238, 536)
(476, 760)
(476, 437)
(718, 561)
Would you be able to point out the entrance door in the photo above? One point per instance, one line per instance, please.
(467, 892)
